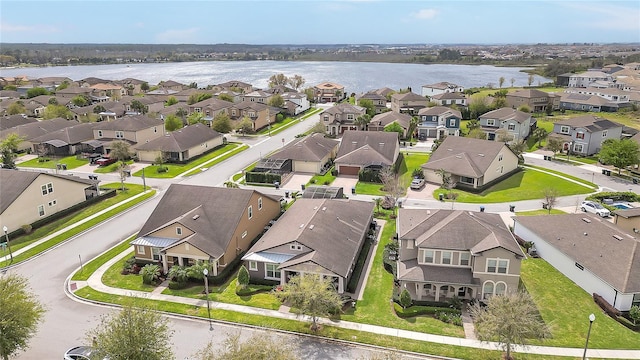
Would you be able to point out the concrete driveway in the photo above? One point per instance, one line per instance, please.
(296, 181)
(426, 193)
(345, 182)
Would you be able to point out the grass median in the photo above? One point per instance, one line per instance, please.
(71, 162)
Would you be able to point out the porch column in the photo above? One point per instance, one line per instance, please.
(180, 262)
(165, 264)
(340, 284)
(214, 265)
(438, 293)
(418, 291)
(283, 277)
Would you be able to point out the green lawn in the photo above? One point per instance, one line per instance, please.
(410, 162)
(369, 188)
(587, 174)
(72, 162)
(289, 121)
(527, 184)
(565, 307)
(177, 169)
(110, 168)
(540, 212)
(112, 277)
(90, 267)
(325, 179)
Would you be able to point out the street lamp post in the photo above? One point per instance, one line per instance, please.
(6, 237)
(591, 320)
(205, 271)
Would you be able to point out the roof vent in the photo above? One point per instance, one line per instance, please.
(481, 155)
(585, 233)
(381, 144)
(311, 227)
(324, 208)
(586, 220)
(458, 156)
(195, 217)
(617, 237)
(301, 226)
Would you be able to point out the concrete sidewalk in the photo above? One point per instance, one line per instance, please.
(95, 282)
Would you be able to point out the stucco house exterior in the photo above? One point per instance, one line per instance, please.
(536, 100)
(595, 254)
(628, 219)
(519, 125)
(447, 253)
(366, 149)
(381, 121)
(341, 117)
(64, 142)
(328, 92)
(28, 196)
(437, 122)
(586, 78)
(309, 154)
(586, 102)
(33, 130)
(379, 101)
(314, 236)
(450, 98)
(409, 103)
(472, 163)
(584, 134)
(441, 88)
(261, 115)
(203, 223)
(134, 130)
(180, 145)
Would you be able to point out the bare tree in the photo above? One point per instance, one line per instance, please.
(391, 185)
(513, 80)
(550, 198)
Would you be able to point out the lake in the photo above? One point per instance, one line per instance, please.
(357, 77)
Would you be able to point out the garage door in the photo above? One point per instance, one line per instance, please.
(349, 170)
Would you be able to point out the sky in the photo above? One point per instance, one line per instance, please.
(319, 22)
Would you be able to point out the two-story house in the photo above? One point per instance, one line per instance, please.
(210, 108)
(453, 253)
(341, 117)
(585, 102)
(382, 121)
(258, 96)
(379, 101)
(261, 115)
(295, 103)
(586, 78)
(328, 92)
(235, 86)
(437, 122)
(450, 98)
(610, 94)
(106, 91)
(514, 123)
(409, 103)
(132, 86)
(441, 88)
(133, 130)
(584, 134)
(32, 130)
(534, 99)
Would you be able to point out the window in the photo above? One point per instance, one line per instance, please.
(253, 266)
(259, 203)
(250, 212)
(155, 129)
(409, 243)
(580, 135)
(511, 127)
(501, 288)
(47, 189)
(577, 148)
(41, 210)
(491, 122)
(349, 116)
(428, 256)
(197, 109)
(53, 202)
(564, 129)
(446, 257)
(178, 231)
(272, 272)
(452, 122)
(636, 300)
(156, 253)
(497, 266)
(119, 135)
(491, 265)
(140, 249)
(464, 259)
(604, 133)
(466, 180)
(487, 290)
(99, 133)
(244, 234)
(500, 157)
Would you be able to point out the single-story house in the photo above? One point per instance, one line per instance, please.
(64, 142)
(595, 254)
(366, 149)
(180, 145)
(473, 163)
(33, 130)
(447, 253)
(628, 219)
(315, 236)
(309, 154)
(203, 223)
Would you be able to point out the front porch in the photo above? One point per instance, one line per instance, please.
(439, 292)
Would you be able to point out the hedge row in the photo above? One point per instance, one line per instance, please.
(262, 178)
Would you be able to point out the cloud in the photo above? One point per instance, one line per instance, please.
(611, 17)
(7, 27)
(425, 14)
(178, 36)
(139, 25)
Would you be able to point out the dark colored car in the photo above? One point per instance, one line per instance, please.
(104, 161)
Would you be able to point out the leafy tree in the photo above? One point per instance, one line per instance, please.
(499, 103)
(319, 128)
(501, 81)
(539, 134)
(195, 98)
(150, 273)
(245, 126)
(225, 97)
(181, 113)
(133, 333)
(311, 295)
(510, 319)
(513, 81)
(391, 185)
(413, 125)
(363, 121)
(554, 144)
(417, 173)
(503, 135)
(296, 82)
(63, 85)
(243, 277)
(16, 108)
(473, 124)
(120, 151)
(230, 184)
(222, 123)
(9, 149)
(634, 314)
(80, 101)
(619, 153)
(56, 111)
(36, 91)
(550, 198)
(171, 101)
(178, 274)
(405, 299)
(172, 123)
(378, 202)
(257, 347)
(20, 313)
(193, 85)
(477, 134)
(548, 109)
(195, 117)
(98, 109)
(530, 79)
(276, 101)
(437, 143)
(144, 86)
(310, 94)
(524, 108)
(395, 127)
(478, 106)
(139, 107)
(518, 148)
(278, 79)
(52, 101)
(368, 104)
(195, 271)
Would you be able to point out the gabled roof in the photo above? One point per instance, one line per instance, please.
(15, 182)
(465, 156)
(333, 229)
(368, 147)
(590, 122)
(218, 210)
(586, 99)
(182, 139)
(39, 128)
(213, 103)
(7, 122)
(506, 113)
(529, 93)
(452, 95)
(388, 117)
(70, 135)
(440, 111)
(170, 83)
(373, 96)
(129, 123)
(441, 85)
(607, 251)
(314, 147)
(329, 86)
(410, 96)
(344, 108)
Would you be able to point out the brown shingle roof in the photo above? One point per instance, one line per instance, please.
(506, 113)
(309, 148)
(129, 123)
(181, 139)
(71, 135)
(388, 117)
(7, 122)
(464, 156)
(39, 128)
(368, 147)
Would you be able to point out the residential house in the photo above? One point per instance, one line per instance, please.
(33, 130)
(408, 103)
(472, 163)
(73, 91)
(203, 223)
(366, 150)
(328, 92)
(107, 91)
(90, 81)
(534, 99)
(586, 78)
(210, 108)
(437, 122)
(628, 220)
(515, 124)
(341, 117)
(295, 103)
(172, 85)
(261, 115)
(450, 98)
(152, 103)
(382, 121)
(28, 196)
(595, 254)
(315, 236)
(258, 96)
(235, 86)
(584, 102)
(132, 86)
(9, 121)
(613, 95)
(134, 130)
(310, 154)
(441, 88)
(379, 101)
(64, 142)
(53, 81)
(180, 145)
(444, 254)
(584, 134)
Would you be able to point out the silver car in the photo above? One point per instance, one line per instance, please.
(417, 184)
(595, 208)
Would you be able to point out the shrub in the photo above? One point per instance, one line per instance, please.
(417, 173)
(135, 269)
(327, 182)
(26, 228)
(243, 278)
(43, 159)
(405, 299)
(604, 305)
(178, 274)
(176, 285)
(150, 274)
(128, 265)
(162, 169)
(334, 172)
(312, 181)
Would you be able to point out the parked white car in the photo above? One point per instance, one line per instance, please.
(417, 184)
(595, 208)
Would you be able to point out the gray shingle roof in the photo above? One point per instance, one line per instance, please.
(181, 139)
(614, 260)
(129, 123)
(7, 122)
(465, 156)
(368, 147)
(590, 122)
(410, 96)
(39, 128)
(506, 113)
(314, 147)
(71, 135)
(440, 110)
(388, 117)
